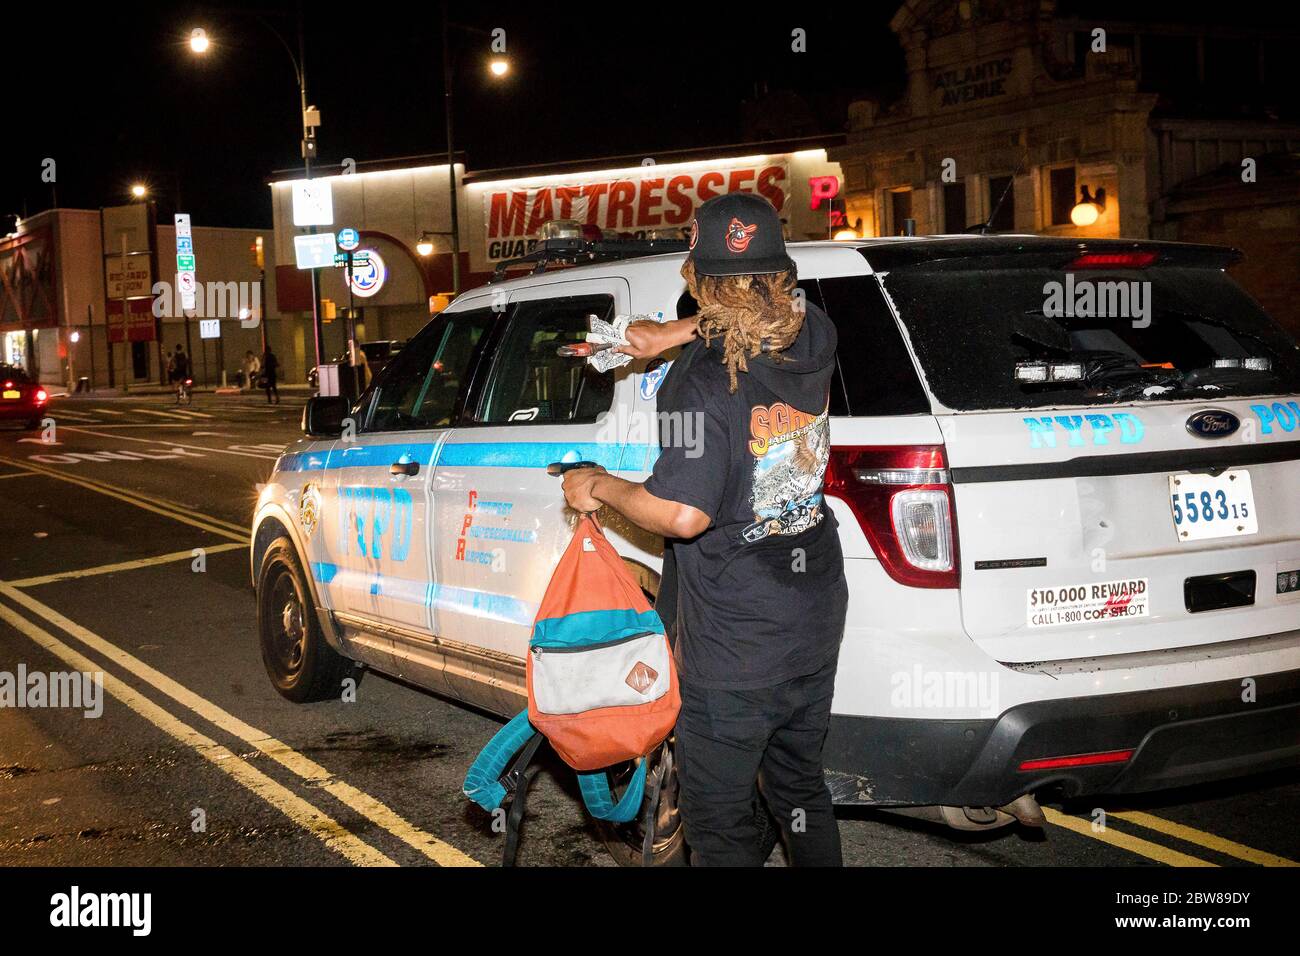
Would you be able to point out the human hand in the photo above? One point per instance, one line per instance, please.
(578, 484)
(646, 339)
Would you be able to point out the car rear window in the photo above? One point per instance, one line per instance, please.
(1163, 332)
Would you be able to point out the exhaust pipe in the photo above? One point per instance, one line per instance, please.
(1023, 809)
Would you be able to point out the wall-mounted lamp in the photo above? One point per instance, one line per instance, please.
(425, 245)
(1088, 208)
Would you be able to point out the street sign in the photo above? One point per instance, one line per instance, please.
(314, 252)
(313, 204)
(348, 239)
(182, 225)
(360, 258)
(368, 277)
(133, 272)
(209, 328)
(185, 263)
(184, 246)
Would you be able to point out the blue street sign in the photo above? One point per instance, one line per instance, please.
(348, 239)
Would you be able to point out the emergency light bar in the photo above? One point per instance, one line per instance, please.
(1038, 373)
(1254, 363)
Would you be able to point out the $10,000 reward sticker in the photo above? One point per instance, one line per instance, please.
(1088, 603)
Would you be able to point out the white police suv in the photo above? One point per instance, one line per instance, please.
(1067, 476)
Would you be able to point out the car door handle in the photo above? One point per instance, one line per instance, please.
(408, 468)
(560, 467)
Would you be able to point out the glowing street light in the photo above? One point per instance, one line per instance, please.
(139, 190)
(499, 66)
(425, 245)
(199, 40)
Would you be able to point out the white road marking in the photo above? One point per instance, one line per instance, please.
(108, 411)
(150, 411)
(159, 441)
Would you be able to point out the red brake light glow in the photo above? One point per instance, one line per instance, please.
(1112, 260)
(1079, 760)
(41, 396)
(902, 499)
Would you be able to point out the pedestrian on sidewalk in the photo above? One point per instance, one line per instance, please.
(270, 367)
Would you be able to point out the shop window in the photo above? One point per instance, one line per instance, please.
(1001, 204)
(1061, 194)
(954, 207)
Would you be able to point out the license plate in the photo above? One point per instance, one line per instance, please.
(1212, 506)
(13, 393)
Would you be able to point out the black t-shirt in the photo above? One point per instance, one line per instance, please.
(760, 596)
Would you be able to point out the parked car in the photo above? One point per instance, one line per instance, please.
(1072, 540)
(21, 398)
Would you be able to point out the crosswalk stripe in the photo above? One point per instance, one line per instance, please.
(108, 411)
(192, 413)
(151, 411)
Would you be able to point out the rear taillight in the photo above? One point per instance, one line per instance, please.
(42, 396)
(902, 498)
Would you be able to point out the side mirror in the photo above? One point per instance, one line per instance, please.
(323, 416)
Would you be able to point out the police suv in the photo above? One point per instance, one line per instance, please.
(1066, 474)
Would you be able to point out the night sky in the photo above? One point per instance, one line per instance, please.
(114, 95)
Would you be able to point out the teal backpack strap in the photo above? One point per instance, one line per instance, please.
(600, 801)
(483, 782)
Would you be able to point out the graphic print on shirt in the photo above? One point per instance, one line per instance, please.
(790, 450)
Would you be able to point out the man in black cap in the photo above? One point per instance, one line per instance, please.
(760, 590)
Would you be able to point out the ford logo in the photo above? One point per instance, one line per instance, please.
(1213, 423)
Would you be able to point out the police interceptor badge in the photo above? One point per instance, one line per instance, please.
(1087, 603)
(309, 508)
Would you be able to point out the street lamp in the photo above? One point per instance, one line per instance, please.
(425, 245)
(199, 44)
(499, 67)
(139, 190)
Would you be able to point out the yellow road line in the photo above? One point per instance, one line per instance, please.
(1200, 837)
(18, 474)
(1124, 841)
(198, 520)
(332, 833)
(122, 566)
(363, 803)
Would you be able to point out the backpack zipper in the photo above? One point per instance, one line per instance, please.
(538, 650)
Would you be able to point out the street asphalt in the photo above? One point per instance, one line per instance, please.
(196, 760)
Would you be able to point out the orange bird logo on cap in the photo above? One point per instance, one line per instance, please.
(739, 234)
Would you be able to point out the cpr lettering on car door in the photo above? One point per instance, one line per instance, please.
(502, 520)
(382, 534)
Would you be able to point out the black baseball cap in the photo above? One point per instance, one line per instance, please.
(737, 234)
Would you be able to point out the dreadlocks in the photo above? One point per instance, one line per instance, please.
(752, 314)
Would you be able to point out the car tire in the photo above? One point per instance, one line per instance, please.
(300, 662)
(624, 841)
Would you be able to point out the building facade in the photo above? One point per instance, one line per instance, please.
(63, 296)
(401, 211)
(1014, 108)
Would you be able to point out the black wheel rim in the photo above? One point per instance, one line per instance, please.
(285, 624)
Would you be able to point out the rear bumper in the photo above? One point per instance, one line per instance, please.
(1180, 736)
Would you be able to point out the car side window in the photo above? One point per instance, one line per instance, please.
(420, 387)
(531, 384)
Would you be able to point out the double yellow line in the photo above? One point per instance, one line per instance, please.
(304, 814)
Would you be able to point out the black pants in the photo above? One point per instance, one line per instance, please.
(270, 387)
(729, 742)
